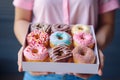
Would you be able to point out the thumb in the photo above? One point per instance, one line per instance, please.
(100, 72)
(20, 59)
(20, 69)
(101, 63)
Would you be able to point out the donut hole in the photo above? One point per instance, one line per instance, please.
(82, 37)
(59, 26)
(81, 52)
(36, 36)
(34, 51)
(60, 53)
(80, 28)
(60, 38)
(38, 25)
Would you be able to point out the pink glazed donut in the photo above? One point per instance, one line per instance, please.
(82, 54)
(38, 36)
(83, 39)
(35, 53)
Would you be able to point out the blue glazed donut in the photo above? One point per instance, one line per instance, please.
(60, 38)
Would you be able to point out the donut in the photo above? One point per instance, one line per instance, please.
(42, 27)
(39, 37)
(83, 39)
(60, 37)
(60, 27)
(80, 28)
(36, 53)
(61, 53)
(82, 54)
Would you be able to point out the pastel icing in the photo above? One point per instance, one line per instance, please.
(60, 37)
(60, 27)
(82, 54)
(85, 39)
(80, 28)
(36, 52)
(37, 36)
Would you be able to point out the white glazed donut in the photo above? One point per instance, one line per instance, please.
(80, 28)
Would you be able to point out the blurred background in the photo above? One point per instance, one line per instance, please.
(9, 47)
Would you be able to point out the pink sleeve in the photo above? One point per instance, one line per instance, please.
(108, 5)
(25, 4)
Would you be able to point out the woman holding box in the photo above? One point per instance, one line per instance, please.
(100, 13)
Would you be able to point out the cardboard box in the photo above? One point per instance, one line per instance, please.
(64, 67)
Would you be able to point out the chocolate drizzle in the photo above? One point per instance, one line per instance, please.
(41, 27)
(61, 53)
(60, 27)
(50, 27)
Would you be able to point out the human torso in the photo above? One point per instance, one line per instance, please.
(52, 11)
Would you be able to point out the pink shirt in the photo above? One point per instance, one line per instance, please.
(67, 11)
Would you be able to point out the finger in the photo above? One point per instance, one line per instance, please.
(101, 58)
(70, 73)
(39, 73)
(101, 63)
(20, 69)
(100, 72)
(84, 76)
(20, 60)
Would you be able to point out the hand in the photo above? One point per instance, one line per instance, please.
(85, 76)
(20, 65)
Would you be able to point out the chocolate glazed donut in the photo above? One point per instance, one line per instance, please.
(41, 27)
(60, 27)
(61, 53)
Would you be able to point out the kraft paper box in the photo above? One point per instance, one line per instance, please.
(63, 67)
